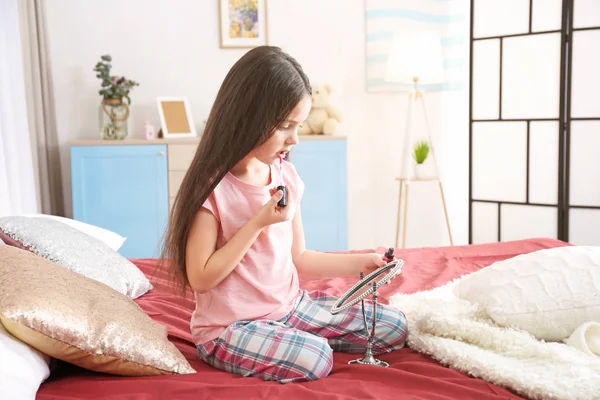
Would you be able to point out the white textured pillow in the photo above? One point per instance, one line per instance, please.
(548, 293)
(76, 251)
(110, 238)
(22, 368)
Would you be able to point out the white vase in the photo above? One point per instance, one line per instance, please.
(420, 171)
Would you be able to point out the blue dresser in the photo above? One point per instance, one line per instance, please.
(128, 187)
(124, 189)
(322, 167)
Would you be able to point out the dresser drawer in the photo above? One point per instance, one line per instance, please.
(181, 156)
(175, 179)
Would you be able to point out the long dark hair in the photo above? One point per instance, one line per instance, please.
(256, 96)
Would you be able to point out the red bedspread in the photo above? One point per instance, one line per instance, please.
(410, 375)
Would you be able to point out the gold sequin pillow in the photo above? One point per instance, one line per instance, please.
(79, 320)
(73, 249)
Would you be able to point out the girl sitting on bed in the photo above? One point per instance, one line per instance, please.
(242, 254)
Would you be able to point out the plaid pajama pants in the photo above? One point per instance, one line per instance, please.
(300, 346)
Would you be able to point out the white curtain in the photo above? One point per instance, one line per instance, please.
(40, 105)
(17, 182)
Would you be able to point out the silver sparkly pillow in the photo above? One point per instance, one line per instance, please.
(76, 251)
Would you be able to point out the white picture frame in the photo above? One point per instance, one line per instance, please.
(243, 23)
(175, 117)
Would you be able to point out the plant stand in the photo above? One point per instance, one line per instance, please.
(403, 207)
(407, 175)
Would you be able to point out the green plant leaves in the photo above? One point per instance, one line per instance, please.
(112, 88)
(421, 151)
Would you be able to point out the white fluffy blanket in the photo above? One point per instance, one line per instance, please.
(459, 335)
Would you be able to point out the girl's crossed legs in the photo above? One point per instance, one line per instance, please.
(300, 346)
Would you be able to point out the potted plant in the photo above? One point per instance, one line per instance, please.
(114, 91)
(420, 153)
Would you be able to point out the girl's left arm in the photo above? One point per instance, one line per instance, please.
(316, 264)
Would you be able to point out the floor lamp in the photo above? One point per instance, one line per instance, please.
(415, 58)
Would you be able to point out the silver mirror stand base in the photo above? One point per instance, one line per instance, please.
(368, 358)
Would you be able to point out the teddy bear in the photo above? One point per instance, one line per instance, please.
(323, 118)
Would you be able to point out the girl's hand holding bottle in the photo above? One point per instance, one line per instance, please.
(374, 261)
(271, 213)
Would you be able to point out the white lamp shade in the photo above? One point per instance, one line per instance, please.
(416, 54)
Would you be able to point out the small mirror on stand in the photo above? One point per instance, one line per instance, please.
(368, 285)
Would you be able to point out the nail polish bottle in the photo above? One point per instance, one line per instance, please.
(389, 255)
(282, 187)
(283, 201)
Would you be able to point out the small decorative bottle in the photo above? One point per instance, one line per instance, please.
(148, 132)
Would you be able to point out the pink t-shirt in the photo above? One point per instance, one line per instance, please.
(265, 283)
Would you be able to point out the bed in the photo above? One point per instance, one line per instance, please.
(410, 375)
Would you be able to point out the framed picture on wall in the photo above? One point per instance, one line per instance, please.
(175, 117)
(243, 23)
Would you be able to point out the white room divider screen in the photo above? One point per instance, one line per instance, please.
(535, 120)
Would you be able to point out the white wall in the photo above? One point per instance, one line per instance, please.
(172, 48)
